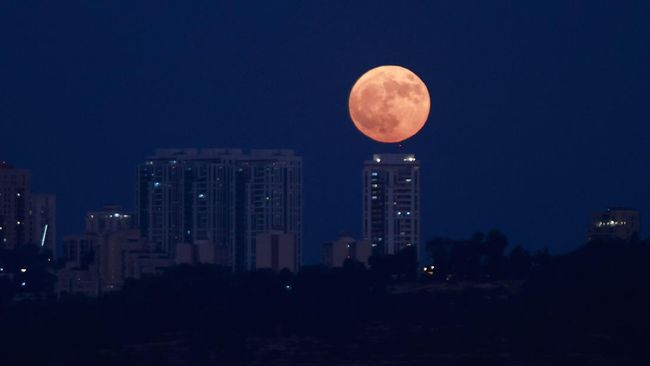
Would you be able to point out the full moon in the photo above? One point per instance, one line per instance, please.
(389, 104)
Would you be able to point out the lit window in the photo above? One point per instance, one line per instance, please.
(374, 174)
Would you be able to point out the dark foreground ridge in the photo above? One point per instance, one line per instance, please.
(589, 307)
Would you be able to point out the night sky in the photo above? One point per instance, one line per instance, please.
(540, 112)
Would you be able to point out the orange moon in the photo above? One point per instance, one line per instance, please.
(389, 104)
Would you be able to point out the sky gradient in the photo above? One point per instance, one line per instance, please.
(539, 112)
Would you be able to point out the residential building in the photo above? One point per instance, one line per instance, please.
(15, 193)
(391, 202)
(614, 223)
(335, 253)
(276, 250)
(219, 197)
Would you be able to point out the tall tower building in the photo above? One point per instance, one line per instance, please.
(391, 202)
(15, 191)
(221, 197)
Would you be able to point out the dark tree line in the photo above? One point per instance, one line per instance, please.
(482, 257)
(590, 304)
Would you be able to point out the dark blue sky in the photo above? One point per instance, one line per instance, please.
(539, 110)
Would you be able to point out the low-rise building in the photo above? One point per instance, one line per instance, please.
(614, 223)
(335, 253)
(276, 251)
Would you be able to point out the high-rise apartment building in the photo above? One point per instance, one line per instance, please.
(219, 196)
(25, 218)
(15, 191)
(391, 202)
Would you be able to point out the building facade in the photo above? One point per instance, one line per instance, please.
(25, 217)
(391, 202)
(275, 251)
(15, 191)
(335, 253)
(222, 197)
(107, 253)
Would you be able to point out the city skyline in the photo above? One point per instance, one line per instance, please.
(537, 110)
(41, 217)
(324, 183)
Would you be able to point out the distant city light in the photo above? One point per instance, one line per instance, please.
(611, 223)
(409, 158)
